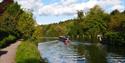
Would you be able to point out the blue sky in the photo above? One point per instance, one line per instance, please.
(53, 11)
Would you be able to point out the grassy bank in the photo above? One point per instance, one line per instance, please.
(27, 52)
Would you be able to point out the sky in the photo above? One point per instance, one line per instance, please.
(1, 1)
(54, 11)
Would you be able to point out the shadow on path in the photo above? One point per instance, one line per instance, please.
(3, 52)
(8, 54)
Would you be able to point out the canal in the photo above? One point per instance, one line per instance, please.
(78, 52)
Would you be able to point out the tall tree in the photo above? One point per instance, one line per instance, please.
(116, 19)
(95, 23)
(26, 24)
(9, 19)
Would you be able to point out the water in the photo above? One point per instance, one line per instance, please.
(76, 52)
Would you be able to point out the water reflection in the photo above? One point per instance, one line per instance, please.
(95, 54)
(92, 53)
(116, 50)
(116, 54)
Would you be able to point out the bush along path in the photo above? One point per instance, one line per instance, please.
(27, 52)
(8, 54)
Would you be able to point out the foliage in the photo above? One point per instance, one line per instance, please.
(115, 38)
(87, 27)
(16, 23)
(57, 29)
(26, 25)
(116, 20)
(7, 40)
(8, 22)
(37, 34)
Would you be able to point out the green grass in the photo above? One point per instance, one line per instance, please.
(27, 52)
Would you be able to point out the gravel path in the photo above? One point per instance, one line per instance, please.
(9, 53)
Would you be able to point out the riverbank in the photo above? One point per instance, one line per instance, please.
(28, 53)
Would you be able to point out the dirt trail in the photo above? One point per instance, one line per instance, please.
(9, 53)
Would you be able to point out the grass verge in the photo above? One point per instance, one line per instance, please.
(27, 52)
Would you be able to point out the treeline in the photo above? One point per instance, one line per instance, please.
(87, 27)
(16, 23)
(57, 29)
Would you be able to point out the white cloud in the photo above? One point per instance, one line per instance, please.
(1, 1)
(118, 7)
(30, 4)
(66, 7)
(68, 2)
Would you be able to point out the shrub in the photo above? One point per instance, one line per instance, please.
(114, 38)
(7, 40)
(27, 52)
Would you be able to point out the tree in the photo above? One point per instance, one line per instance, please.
(80, 15)
(116, 25)
(9, 19)
(95, 23)
(116, 19)
(26, 25)
(37, 34)
(115, 12)
(76, 28)
(55, 31)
